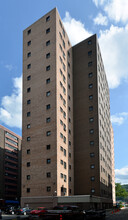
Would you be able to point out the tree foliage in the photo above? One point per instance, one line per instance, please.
(120, 191)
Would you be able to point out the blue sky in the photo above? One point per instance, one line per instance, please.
(108, 19)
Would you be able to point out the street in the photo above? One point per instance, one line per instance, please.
(121, 215)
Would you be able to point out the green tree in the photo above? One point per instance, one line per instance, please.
(120, 191)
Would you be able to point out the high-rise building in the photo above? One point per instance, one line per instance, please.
(10, 167)
(66, 116)
(113, 167)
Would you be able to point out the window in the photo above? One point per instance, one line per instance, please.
(69, 143)
(92, 178)
(48, 175)
(61, 175)
(29, 66)
(70, 167)
(91, 143)
(69, 97)
(29, 43)
(69, 154)
(69, 120)
(28, 164)
(28, 190)
(90, 63)
(48, 120)
(68, 53)
(28, 177)
(69, 86)
(48, 133)
(47, 68)
(90, 97)
(29, 78)
(48, 81)
(61, 162)
(28, 126)
(69, 75)
(48, 106)
(63, 66)
(28, 114)
(28, 89)
(90, 75)
(90, 108)
(28, 138)
(28, 151)
(48, 161)
(64, 165)
(48, 188)
(90, 86)
(92, 166)
(92, 154)
(48, 93)
(89, 42)
(48, 55)
(48, 147)
(91, 131)
(68, 64)
(28, 102)
(91, 119)
(48, 43)
(29, 31)
(47, 18)
(70, 179)
(47, 30)
(90, 53)
(64, 152)
(29, 54)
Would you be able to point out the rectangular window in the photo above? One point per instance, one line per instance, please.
(48, 93)
(48, 120)
(28, 190)
(48, 133)
(92, 154)
(48, 81)
(48, 43)
(29, 43)
(28, 77)
(29, 54)
(28, 138)
(69, 154)
(47, 30)
(28, 177)
(91, 119)
(89, 42)
(61, 162)
(28, 89)
(47, 18)
(70, 167)
(90, 75)
(48, 106)
(29, 31)
(29, 66)
(64, 165)
(61, 175)
(90, 53)
(28, 164)
(89, 63)
(48, 188)
(64, 152)
(90, 108)
(90, 86)
(48, 55)
(90, 97)
(47, 68)
(92, 166)
(28, 114)
(48, 175)
(28, 126)
(91, 143)
(92, 190)
(68, 64)
(48, 161)
(28, 151)
(28, 101)
(92, 178)
(91, 131)
(48, 147)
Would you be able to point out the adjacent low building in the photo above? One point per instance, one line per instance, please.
(10, 167)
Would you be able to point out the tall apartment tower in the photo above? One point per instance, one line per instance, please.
(47, 153)
(10, 167)
(92, 131)
(66, 147)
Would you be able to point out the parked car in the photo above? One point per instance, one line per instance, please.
(38, 211)
(10, 210)
(23, 211)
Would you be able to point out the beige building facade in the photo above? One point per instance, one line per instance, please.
(66, 116)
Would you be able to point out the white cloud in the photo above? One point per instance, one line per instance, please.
(119, 118)
(75, 29)
(113, 44)
(116, 10)
(121, 175)
(101, 20)
(9, 67)
(11, 106)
